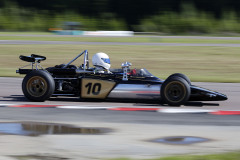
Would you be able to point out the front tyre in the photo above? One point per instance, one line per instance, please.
(175, 91)
(182, 76)
(38, 85)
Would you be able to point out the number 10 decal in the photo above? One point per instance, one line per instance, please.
(94, 88)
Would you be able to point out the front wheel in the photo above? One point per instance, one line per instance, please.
(38, 85)
(175, 91)
(182, 76)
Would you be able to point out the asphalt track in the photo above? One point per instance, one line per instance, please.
(11, 93)
(132, 130)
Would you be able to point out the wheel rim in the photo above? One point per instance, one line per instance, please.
(37, 86)
(175, 92)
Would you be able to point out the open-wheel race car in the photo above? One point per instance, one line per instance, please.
(101, 82)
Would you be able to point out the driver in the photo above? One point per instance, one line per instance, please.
(101, 62)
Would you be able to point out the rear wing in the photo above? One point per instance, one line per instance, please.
(36, 59)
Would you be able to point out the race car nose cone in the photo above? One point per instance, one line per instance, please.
(221, 97)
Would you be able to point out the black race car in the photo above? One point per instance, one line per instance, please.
(82, 81)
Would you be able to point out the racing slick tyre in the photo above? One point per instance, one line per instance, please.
(175, 91)
(182, 76)
(38, 85)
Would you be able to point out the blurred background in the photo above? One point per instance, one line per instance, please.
(161, 16)
(199, 38)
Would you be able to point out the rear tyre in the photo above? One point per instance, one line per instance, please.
(182, 76)
(38, 85)
(175, 91)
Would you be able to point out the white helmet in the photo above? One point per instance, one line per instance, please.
(101, 60)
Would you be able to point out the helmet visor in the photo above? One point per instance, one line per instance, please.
(106, 60)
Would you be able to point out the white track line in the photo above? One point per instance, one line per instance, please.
(7, 104)
(173, 110)
(82, 107)
(160, 110)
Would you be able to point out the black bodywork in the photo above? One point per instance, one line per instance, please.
(68, 82)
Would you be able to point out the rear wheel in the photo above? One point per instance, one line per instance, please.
(175, 91)
(38, 85)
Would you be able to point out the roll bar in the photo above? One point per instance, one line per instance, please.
(85, 63)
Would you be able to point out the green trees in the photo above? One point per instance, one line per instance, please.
(168, 16)
(191, 21)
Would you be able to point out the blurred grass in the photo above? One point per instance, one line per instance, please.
(224, 156)
(212, 64)
(116, 39)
